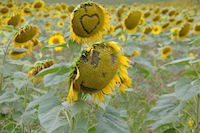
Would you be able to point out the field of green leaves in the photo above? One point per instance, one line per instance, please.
(93, 68)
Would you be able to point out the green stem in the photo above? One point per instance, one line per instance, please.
(3, 62)
(198, 113)
(70, 124)
(25, 95)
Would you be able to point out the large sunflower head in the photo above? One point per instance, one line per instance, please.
(196, 28)
(56, 38)
(38, 5)
(4, 11)
(132, 20)
(184, 31)
(89, 22)
(14, 20)
(98, 71)
(25, 35)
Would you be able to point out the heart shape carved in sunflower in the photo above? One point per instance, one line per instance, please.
(90, 22)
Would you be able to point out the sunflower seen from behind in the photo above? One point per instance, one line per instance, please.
(98, 71)
(89, 22)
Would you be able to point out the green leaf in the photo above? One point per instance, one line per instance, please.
(81, 126)
(55, 45)
(167, 105)
(170, 130)
(111, 122)
(60, 68)
(8, 96)
(78, 107)
(38, 100)
(184, 89)
(20, 79)
(180, 61)
(165, 112)
(190, 72)
(49, 111)
(19, 50)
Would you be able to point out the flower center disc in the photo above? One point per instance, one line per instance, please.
(88, 20)
(97, 68)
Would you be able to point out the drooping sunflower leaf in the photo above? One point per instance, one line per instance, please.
(111, 122)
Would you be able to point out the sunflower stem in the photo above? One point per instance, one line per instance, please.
(198, 113)
(3, 62)
(70, 124)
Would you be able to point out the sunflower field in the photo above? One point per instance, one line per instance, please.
(99, 67)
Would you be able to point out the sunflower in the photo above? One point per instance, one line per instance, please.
(136, 53)
(165, 26)
(38, 5)
(156, 18)
(157, 11)
(132, 20)
(98, 71)
(89, 22)
(172, 20)
(61, 24)
(25, 35)
(71, 8)
(4, 11)
(14, 20)
(178, 22)
(147, 30)
(39, 66)
(156, 29)
(196, 29)
(26, 11)
(13, 54)
(56, 38)
(63, 17)
(165, 11)
(142, 21)
(23, 20)
(191, 20)
(190, 54)
(184, 31)
(167, 50)
(36, 42)
(9, 4)
(172, 13)
(147, 14)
